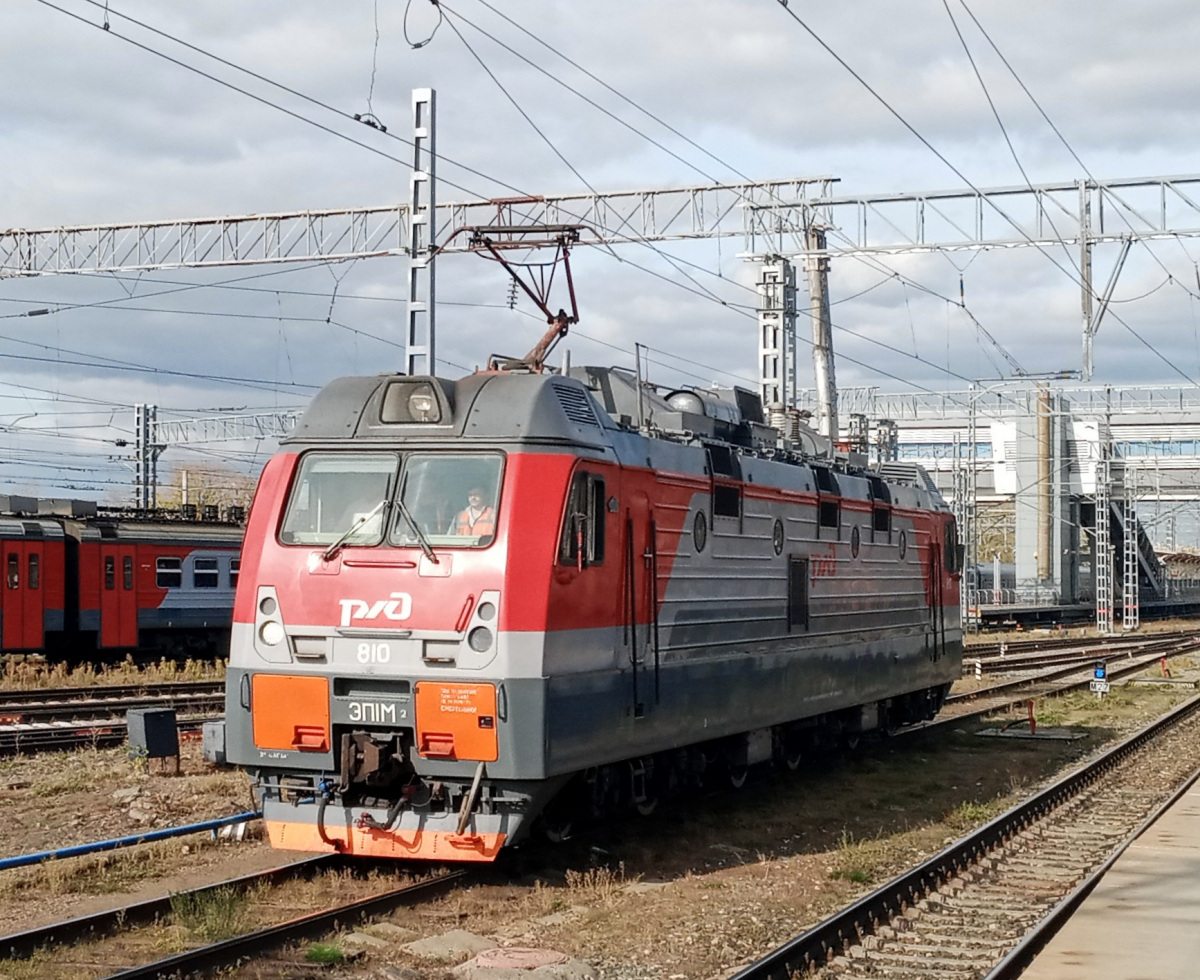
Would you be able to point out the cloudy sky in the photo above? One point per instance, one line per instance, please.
(142, 122)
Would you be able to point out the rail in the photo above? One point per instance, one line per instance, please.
(880, 920)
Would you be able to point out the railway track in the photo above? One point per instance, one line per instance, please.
(228, 953)
(976, 909)
(1055, 680)
(65, 718)
(97, 702)
(1037, 660)
(1051, 642)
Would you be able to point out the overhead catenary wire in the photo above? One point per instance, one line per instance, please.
(700, 290)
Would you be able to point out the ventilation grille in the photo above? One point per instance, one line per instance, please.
(910, 473)
(576, 405)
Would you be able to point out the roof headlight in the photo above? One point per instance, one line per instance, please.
(271, 632)
(422, 405)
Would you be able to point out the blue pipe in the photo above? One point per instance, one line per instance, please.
(22, 860)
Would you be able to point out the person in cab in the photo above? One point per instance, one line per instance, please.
(478, 518)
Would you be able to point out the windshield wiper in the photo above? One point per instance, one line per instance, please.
(334, 548)
(416, 530)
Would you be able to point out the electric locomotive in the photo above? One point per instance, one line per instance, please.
(469, 607)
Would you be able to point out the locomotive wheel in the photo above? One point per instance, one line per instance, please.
(850, 741)
(737, 776)
(558, 831)
(647, 806)
(792, 758)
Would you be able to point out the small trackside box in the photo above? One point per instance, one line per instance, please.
(212, 741)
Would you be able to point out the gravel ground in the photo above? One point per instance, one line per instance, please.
(695, 891)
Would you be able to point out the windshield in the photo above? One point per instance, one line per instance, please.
(332, 492)
(452, 499)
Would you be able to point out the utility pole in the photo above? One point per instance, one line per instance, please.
(817, 265)
(422, 232)
(777, 333)
(145, 418)
(1085, 274)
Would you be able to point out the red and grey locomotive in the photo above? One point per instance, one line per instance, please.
(467, 606)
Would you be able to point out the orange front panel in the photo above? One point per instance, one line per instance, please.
(290, 712)
(456, 721)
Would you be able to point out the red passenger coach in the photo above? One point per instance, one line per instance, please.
(80, 581)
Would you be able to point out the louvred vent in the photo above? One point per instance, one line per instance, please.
(575, 404)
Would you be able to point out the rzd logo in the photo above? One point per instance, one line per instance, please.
(397, 607)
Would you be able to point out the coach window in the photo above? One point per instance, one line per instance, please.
(110, 572)
(582, 539)
(14, 570)
(127, 573)
(336, 493)
(168, 573)
(235, 566)
(205, 573)
(35, 575)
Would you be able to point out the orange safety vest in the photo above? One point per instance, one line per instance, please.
(485, 523)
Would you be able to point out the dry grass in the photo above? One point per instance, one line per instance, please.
(95, 874)
(33, 673)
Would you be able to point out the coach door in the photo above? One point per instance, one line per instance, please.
(118, 597)
(937, 597)
(640, 601)
(23, 620)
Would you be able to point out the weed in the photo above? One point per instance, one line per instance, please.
(595, 884)
(970, 814)
(324, 953)
(210, 915)
(859, 861)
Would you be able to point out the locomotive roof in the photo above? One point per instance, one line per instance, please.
(593, 408)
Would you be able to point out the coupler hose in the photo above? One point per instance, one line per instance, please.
(326, 789)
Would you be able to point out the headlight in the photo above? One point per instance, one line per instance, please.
(422, 405)
(271, 632)
(480, 639)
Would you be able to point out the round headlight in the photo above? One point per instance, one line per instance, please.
(271, 632)
(268, 606)
(486, 611)
(480, 639)
(422, 404)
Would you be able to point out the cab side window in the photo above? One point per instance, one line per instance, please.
(582, 540)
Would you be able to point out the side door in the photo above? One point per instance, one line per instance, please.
(118, 598)
(33, 595)
(640, 602)
(12, 628)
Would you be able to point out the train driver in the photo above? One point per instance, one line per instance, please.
(478, 518)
